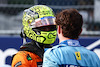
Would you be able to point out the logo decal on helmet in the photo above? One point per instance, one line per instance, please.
(51, 35)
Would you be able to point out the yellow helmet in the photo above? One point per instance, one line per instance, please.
(36, 17)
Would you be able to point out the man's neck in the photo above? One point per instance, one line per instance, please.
(62, 39)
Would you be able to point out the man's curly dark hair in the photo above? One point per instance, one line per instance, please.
(71, 23)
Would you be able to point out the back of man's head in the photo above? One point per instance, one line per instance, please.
(71, 23)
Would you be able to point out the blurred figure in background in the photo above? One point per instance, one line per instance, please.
(69, 52)
(39, 26)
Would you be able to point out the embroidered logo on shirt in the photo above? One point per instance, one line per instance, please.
(28, 57)
(18, 64)
(78, 55)
(73, 43)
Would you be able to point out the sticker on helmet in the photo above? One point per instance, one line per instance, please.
(43, 22)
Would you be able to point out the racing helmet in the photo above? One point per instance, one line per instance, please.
(36, 18)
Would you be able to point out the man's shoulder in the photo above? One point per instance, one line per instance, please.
(54, 48)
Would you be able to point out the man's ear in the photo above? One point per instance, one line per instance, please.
(80, 32)
(59, 30)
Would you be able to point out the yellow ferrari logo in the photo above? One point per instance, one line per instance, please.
(78, 55)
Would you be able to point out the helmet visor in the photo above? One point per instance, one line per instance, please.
(45, 21)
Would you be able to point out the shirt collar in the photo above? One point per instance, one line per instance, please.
(70, 42)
